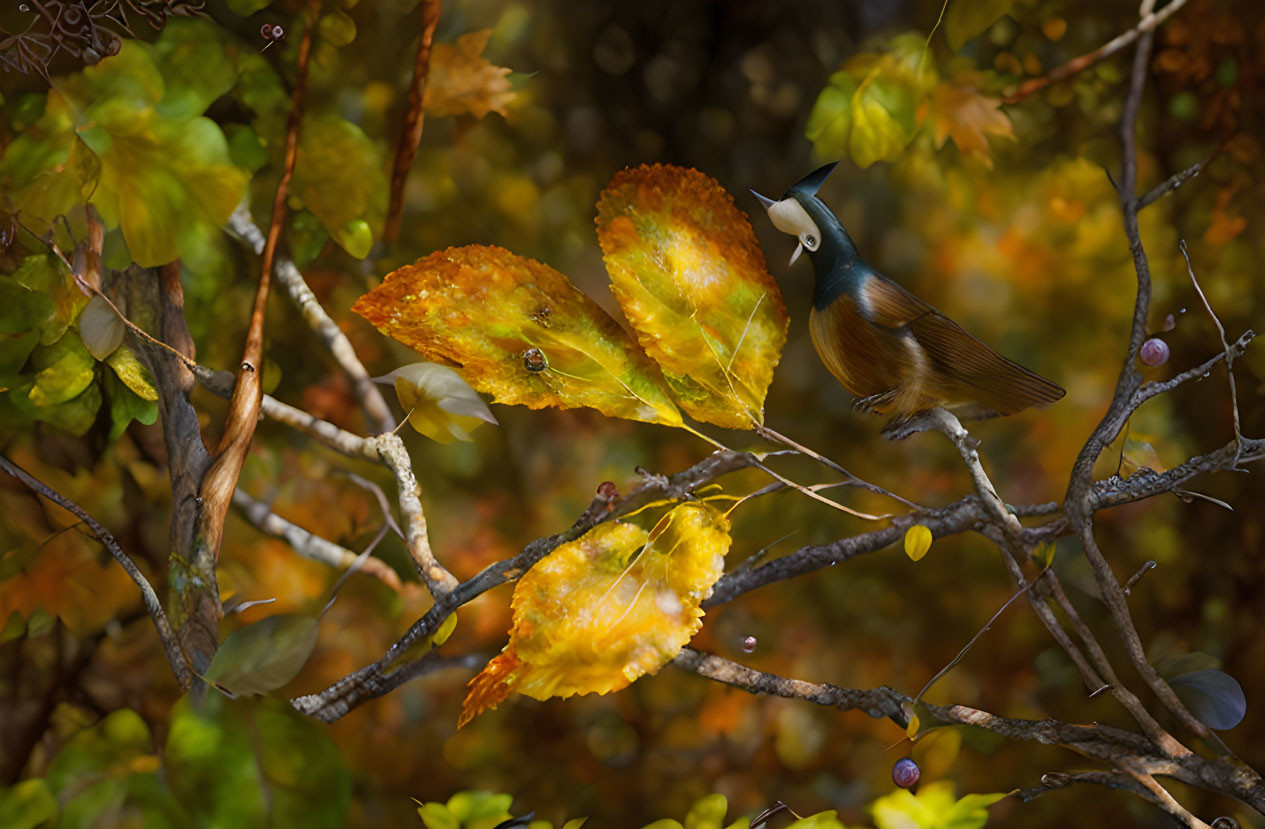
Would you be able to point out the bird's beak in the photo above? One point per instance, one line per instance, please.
(799, 248)
(765, 201)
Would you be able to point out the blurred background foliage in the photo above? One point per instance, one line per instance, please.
(1004, 217)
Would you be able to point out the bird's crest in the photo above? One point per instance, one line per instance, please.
(811, 183)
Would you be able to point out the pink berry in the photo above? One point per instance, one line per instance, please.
(748, 644)
(1154, 352)
(905, 773)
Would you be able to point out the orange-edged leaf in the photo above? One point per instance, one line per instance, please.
(462, 81)
(520, 331)
(691, 278)
(600, 611)
(968, 117)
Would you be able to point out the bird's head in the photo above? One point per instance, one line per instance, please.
(801, 214)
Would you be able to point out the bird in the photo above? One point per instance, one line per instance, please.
(894, 351)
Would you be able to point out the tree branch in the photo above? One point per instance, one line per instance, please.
(411, 135)
(291, 278)
(179, 665)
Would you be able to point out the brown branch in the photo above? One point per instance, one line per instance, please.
(307, 544)
(438, 580)
(179, 665)
(291, 278)
(411, 135)
(1079, 64)
(243, 410)
(1126, 750)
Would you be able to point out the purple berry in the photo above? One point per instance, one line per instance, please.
(905, 773)
(1154, 352)
(748, 644)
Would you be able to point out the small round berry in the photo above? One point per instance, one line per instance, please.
(1154, 352)
(278, 32)
(607, 490)
(534, 360)
(905, 773)
(748, 644)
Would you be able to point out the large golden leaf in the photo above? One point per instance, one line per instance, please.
(520, 331)
(602, 610)
(686, 269)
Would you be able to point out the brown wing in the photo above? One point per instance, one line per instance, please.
(960, 359)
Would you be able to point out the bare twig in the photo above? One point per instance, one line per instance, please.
(179, 665)
(1229, 357)
(243, 411)
(1174, 181)
(1146, 25)
(411, 135)
(1165, 800)
(1128, 585)
(291, 278)
(391, 449)
(852, 480)
(309, 545)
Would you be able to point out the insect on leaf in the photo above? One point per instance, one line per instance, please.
(520, 331)
(600, 611)
(691, 278)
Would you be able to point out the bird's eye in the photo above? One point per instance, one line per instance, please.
(810, 242)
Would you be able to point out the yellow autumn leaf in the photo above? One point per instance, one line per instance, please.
(601, 611)
(691, 279)
(917, 542)
(519, 331)
(462, 81)
(437, 402)
(132, 372)
(968, 117)
(911, 730)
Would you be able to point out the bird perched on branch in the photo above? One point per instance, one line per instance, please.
(885, 345)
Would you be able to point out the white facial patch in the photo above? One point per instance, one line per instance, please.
(789, 216)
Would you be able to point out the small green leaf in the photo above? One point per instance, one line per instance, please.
(126, 406)
(337, 29)
(133, 373)
(575, 823)
(883, 118)
(708, 813)
(339, 177)
(195, 66)
(821, 820)
(27, 805)
(355, 237)
(245, 148)
(830, 122)
(63, 371)
(437, 816)
(247, 7)
(263, 656)
(14, 627)
(471, 806)
(967, 18)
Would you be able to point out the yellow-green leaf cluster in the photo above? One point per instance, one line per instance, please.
(691, 279)
(600, 611)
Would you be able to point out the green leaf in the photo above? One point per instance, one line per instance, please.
(263, 656)
(63, 371)
(476, 806)
(166, 178)
(708, 813)
(664, 823)
(75, 415)
(830, 122)
(46, 274)
(934, 807)
(337, 29)
(245, 148)
(967, 18)
(126, 406)
(255, 763)
(821, 820)
(106, 774)
(883, 118)
(15, 625)
(133, 373)
(195, 67)
(247, 7)
(47, 170)
(305, 235)
(339, 177)
(21, 312)
(437, 816)
(27, 805)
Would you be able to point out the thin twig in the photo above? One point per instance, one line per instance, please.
(307, 544)
(243, 409)
(438, 580)
(1080, 64)
(179, 665)
(291, 278)
(411, 135)
(1128, 585)
(1225, 345)
(853, 480)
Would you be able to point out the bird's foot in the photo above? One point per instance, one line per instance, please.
(927, 420)
(874, 403)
